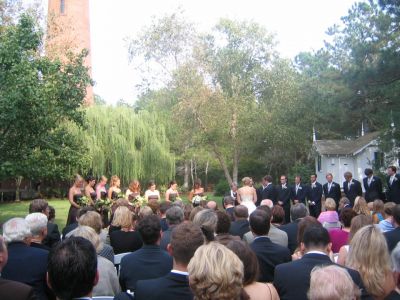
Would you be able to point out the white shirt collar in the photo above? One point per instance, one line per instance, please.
(179, 272)
(316, 252)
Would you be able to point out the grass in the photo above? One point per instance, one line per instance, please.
(10, 210)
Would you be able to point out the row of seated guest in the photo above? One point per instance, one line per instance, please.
(270, 255)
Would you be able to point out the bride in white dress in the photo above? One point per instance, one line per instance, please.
(247, 195)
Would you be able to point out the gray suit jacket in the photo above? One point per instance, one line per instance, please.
(276, 236)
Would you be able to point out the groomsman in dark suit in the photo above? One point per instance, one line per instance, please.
(393, 183)
(332, 189)
(284, 193)
(267, 191)
(314, 196)
(372, 186)
(351, 187)
(299, 191)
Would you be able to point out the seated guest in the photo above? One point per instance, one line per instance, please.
(16, 234)
(222, 230)
(174, 217)
(76, 282)
(297, 212)
(276, 235)
(278, 216)
(269, 255)
(316, 246)
(194, 211)
(340, 236)
(145, 212)
(93, 220)
(164, 206)
(378, 211)
(187, 209)
(52, 214)
(148, 262)
(356, 224)
(53, 234)
(67, 229)
(215, 272)
(303, 225)
(369, 255)
(229, 206)
(343, 203)
(12, 289)
(333, 283)
(361, 206)
(330, 215)
(395, 294)
(212, 205)
(393, 237)
(37, 223)
(241, 224)
(126, 239)
(107, 284)
(207, 220)
(185, 239)
(255, 290)
(387, 223)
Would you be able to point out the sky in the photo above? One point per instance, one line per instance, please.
(298, 26)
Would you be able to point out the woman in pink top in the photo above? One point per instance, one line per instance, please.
(340, 236)
(330, 215)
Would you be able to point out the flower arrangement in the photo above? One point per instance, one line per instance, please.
(83, 201)
(103, 203)
(139, 201)
(197, 199)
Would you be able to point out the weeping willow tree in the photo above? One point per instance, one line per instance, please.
(128, 144)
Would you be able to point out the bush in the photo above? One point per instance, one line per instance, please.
(221, 188)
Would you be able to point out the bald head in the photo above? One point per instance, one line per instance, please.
(267, 202)
(212, 205)
(240, 212)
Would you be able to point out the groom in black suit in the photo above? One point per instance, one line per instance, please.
(351, 187)
(185, 240)
(267, 190)
(372, 186)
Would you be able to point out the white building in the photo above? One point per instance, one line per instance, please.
(340, 156)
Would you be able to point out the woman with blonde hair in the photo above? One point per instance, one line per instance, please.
(378, 211)
(215, 272)
(361, 206)
(330, 215)
(247, 195)
(369, 256)
(114, 189)
(126, 239)
(356, 224)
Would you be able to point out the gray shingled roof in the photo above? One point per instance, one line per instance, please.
(344, 147)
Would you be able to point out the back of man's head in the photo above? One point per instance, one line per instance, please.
(72, 268)
(298, 211)
(174, 215)
(164, 206)
(84, 210)
(185, 239)
(396, 214)
(212, 205)
(260, 222)
(149, 229)
(16, 230)
(37, 223)
(38, 205)
(267, 202)
(240, 212)
(316, 237)
(223, 223)
(228, 200)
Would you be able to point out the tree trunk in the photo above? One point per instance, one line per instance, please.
(222, 162)
(191, 170)
(235, 170)
(206, 179)
(18, 181)
(186, 175)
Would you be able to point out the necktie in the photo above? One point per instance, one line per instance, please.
(329, 187)
(369, 181)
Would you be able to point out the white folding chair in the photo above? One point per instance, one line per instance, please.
(118, 258)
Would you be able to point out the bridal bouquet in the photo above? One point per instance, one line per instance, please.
(103, 203)
(197, 199)
(83, 201)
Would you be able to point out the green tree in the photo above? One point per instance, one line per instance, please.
(38, 97)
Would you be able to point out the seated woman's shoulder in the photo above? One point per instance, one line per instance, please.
(261, 291)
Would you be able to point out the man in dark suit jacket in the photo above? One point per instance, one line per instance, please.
(297, 212)
(292, 280)
(241, 225)
(174, 216)
(229, 207)
(267, 190)
(25, 264)
(232, 193)
(299, 191)
(284, 193)
(393, 184)
(314, 196)
(332, 189)
(12, 289)
(185, 239)
(351, 187)
(269, 255)
(372, 186)
(53, 234)
(393, 236)
(148, 262)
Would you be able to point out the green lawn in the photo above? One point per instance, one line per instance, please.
(10, 210)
